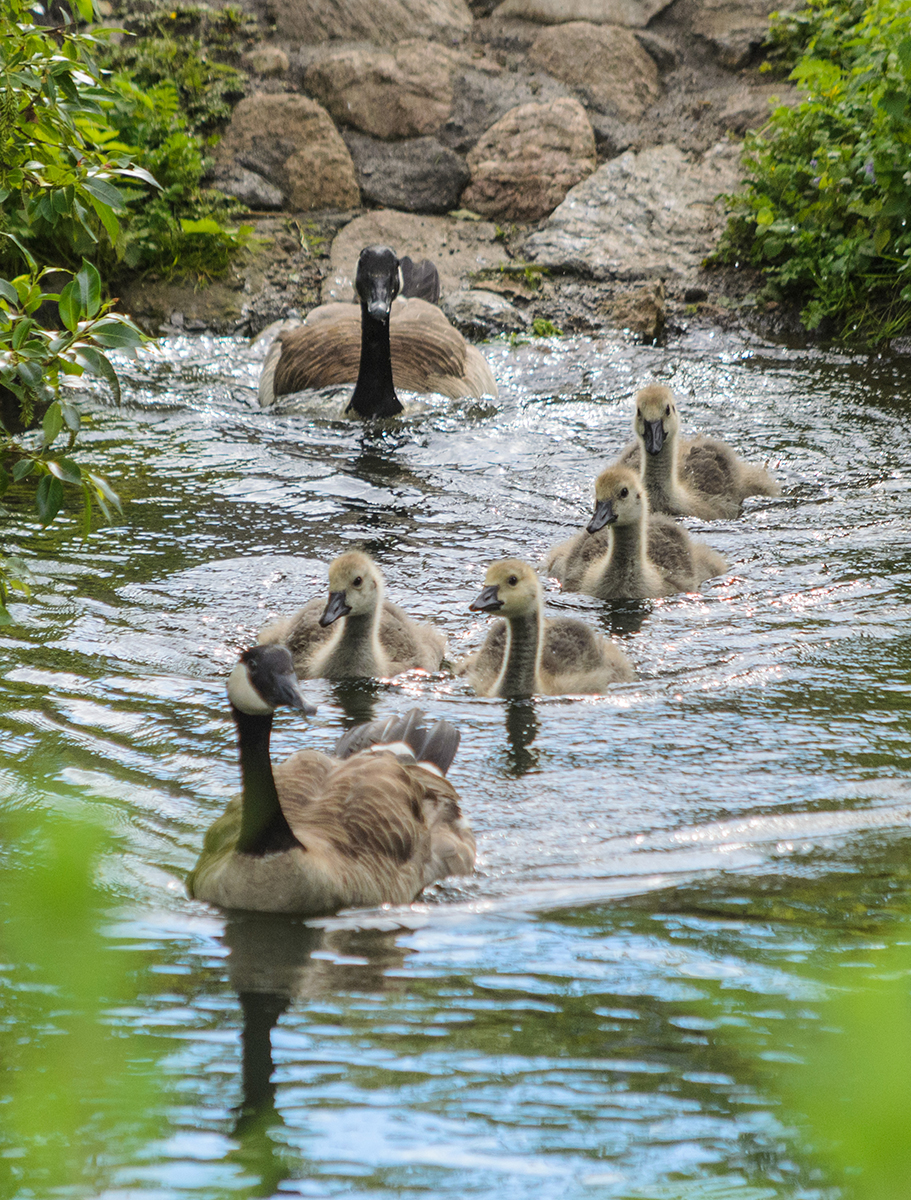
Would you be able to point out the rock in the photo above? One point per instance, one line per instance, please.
(292, 142)
(643, 215)
(750, 108)
(246, 186)
(642, 311)
(633, 13)
(418, 175)
(483, 95)
(661, 49)
(478, 313)
(735, 29)
(384, 22)
(400, 93)
(458, 248)
(525, 164)
(265, 60)
(605, 62)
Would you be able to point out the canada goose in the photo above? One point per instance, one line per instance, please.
(643, 555)
(699, 477)
(375, 824)
(526, 654)
(408, 344)
(372, 638)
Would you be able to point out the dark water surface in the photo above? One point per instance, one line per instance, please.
(659, 867)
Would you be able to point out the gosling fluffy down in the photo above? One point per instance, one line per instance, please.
(526, 654)
(373, 824)
(357, 632)
(381, 345)
(701, 477)
(627, 553)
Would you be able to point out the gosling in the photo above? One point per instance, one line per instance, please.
(701, 477)
(372, 638)
(526, 654)
(645, 554)
(375, 824)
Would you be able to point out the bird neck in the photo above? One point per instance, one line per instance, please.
(659, 474)
(374, 393)
(522, 658)
(263, 826)
(628, 546)
(358, 650)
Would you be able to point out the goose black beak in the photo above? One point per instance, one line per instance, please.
(335, 608)
(654, 436)
(603, 515)
(488, 601)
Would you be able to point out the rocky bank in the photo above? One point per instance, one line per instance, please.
(558, 159)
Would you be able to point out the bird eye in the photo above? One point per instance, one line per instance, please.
(357, 582)
(639, 413)
(624, 492)
(512, 580)
(667, 411)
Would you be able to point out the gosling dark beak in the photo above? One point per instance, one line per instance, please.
(654, 436)
(603, 515)
(488, 601)
(335, 608)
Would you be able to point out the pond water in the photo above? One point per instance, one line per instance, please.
(667, 874)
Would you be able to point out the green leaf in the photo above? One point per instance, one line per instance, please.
(105, 192)
(48, 498)
(116, 335)
(22, 468)
(204, 225)
(31, 374)
(5, 618)
(22, 330)
(84, 8)
(88, 282)
(93, 360)
(107, 219)
(52, 423)
(71, 416)
(5, 480)
(104, 492)
(9, 293)
(65, 469)
(70, 306)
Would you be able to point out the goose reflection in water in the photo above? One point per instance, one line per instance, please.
(522, 727)
(271, 966)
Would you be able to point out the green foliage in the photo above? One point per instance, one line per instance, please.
(541, 327)
(74, 1087)
(827, 210)
(32, 360)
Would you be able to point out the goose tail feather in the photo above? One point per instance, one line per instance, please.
(406, 736)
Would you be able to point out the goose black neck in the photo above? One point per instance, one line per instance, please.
(374, 393)
(263, 827)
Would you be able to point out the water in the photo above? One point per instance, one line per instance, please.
(690, 855)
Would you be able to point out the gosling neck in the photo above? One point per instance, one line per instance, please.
(357, 651)
(659, 475)
(374, 393)
(519, 675)
(263, 826)
(626, 563)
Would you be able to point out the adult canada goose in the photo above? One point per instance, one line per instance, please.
(642, 554)
(526, 654)
(371, 636)
(699, 477)
(389, 344)
(375, 824)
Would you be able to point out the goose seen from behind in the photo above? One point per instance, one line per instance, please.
(357, 632)
(387, 344)
(699, 477)
(627, 553)
(373, 824)
(526, 654)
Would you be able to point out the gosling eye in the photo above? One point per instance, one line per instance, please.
(357, 581)
(624, 492)
(512, 580)
(667, 411)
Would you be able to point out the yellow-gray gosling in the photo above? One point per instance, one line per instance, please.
(627, 553)
(373, 824)
(526, 654)
(382, 345)
(699, 477)
(357, 632)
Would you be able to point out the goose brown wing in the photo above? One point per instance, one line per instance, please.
(670, 550)
(430, 355)
(569, 645)
(710, 467)
(407, 643)
(322, 354)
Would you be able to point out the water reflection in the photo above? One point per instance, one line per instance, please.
(522, 726)
(621, 618)
(356, 698)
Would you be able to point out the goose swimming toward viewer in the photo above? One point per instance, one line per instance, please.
(699, 477)
(371, 638)
(626, 553)
(526, 654)
(375, 824)
(388, 344)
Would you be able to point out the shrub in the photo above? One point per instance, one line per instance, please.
(827, 210)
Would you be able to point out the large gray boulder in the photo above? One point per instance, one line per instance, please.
(634, 13)
(417, 174)
(603, 62)
(385, 22)
(291, 141)
(651, 214)
(399, 93)
(526, 163)
(486, 92)
(735, 29)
